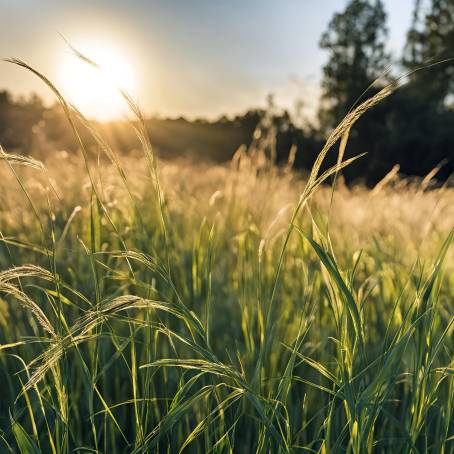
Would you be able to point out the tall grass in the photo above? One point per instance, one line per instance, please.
(226, 309)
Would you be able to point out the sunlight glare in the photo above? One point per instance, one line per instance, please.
(95, 92)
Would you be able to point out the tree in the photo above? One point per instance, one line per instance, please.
(356, 43)
(423, 116)
(431, 40)
(355, 40)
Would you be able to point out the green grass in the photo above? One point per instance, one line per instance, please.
(223, 309)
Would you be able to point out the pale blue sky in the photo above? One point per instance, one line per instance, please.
(189, 57)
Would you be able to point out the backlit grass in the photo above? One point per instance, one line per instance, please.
(181, 307)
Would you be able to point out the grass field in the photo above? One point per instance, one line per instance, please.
(182, 307)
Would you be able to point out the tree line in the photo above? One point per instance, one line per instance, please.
(413, 128)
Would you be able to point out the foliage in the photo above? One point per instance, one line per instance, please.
(355, 40)
(430, 40)
(229, 309)
(413, 129)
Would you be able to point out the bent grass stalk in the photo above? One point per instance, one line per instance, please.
(201, 329)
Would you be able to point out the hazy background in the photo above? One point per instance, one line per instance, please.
(192, 58)
(212, 76)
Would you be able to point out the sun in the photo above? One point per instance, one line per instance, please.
(96, 92)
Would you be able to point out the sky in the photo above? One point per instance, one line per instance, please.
(193, 58)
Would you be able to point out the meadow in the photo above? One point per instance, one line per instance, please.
(151, 306)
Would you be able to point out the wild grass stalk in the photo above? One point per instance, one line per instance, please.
(168, 313)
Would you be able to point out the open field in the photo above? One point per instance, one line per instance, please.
(239, 308)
